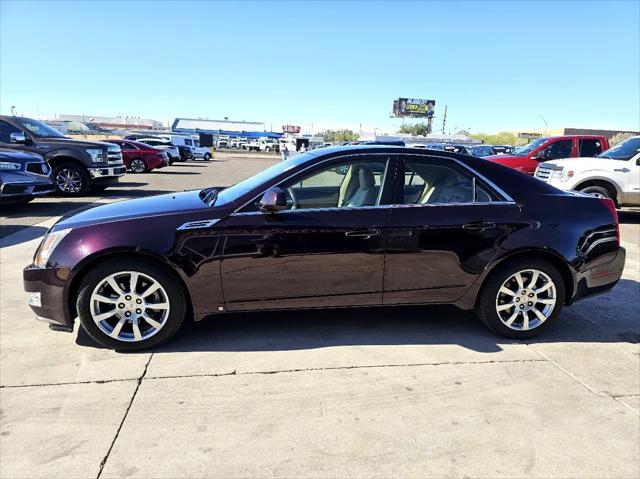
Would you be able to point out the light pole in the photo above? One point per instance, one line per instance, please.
(545, 123)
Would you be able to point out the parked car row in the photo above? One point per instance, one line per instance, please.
(36, 159)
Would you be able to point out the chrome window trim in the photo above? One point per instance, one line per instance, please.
(508, 200)
(387, 155)
(308, 210)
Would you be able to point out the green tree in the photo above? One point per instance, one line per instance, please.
(419, 128)
(619, 138)
(501, 138)
(336, 136)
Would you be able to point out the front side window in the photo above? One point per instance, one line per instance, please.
(352, 184)
(558, 150)
(188, 142)
(590, 147)
(5, 131)
(429, 182)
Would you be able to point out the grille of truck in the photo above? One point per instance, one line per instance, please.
(543, 173)
(114, 157)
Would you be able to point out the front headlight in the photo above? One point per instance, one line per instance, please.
(96, 154)
(51, 240)
(562, 174)
(6, 165)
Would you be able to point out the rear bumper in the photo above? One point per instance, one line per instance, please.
(601, 276)
(47, 294)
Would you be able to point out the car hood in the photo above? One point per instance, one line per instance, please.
(582, 164)
(505, 159)
(19, 156)
(70, 142)
(162, 205)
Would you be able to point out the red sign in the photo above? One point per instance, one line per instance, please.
(290, 129)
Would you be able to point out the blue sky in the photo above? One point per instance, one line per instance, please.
(497, 65)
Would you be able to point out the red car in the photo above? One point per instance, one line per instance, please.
(140, 158)
(527, 158)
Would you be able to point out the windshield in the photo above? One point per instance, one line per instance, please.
(39, 129)
(525, 150)
(245, 186)
(623, 151)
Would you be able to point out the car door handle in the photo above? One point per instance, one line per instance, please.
(364, 234)
(478, 226)
(623, 170)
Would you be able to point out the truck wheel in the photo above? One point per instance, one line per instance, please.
(71, 179)
(138, 165)
(598, 191)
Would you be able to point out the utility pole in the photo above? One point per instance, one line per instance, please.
(444, 119)
(545, 124)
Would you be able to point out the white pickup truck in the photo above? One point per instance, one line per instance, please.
(614, 173)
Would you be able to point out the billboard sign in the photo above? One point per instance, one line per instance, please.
(413, 108)
(291, 129)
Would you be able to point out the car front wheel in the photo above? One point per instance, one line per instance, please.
(597, 191)
(207, 157)
(522, 298)
(71, 179)
(130, 305)
(138, 165)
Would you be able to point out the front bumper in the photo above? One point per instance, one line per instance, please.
(47, 294)
(22, 184)
(107, 171)
(601, 276)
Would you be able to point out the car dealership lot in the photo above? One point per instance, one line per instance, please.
(360, 392)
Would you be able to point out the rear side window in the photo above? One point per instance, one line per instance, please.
(5, 131)
(590, 147)
(429, 182)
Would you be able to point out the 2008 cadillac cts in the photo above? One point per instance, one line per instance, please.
(335, 227)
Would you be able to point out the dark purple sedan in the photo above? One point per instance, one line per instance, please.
(336, 227)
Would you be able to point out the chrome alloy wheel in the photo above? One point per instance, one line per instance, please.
(129, 306)
(526, 300)
(138, 166)
(69, 180)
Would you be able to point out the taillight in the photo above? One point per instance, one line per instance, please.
(608, 202)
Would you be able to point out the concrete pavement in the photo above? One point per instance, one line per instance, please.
(403, 392)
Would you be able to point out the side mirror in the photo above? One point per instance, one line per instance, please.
(18, 138)
(274, 199)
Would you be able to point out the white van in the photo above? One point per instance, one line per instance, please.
(197, 151)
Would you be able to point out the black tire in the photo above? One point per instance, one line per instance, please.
(599, 191)
(75, 170)
(207, 157)
(486, 306)
(137, 161)
(175, 296)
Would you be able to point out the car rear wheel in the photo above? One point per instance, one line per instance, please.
(138, 165)
(522, 298)
(131, 305)
(71, 179)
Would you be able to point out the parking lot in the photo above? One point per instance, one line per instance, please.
(403, 392)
